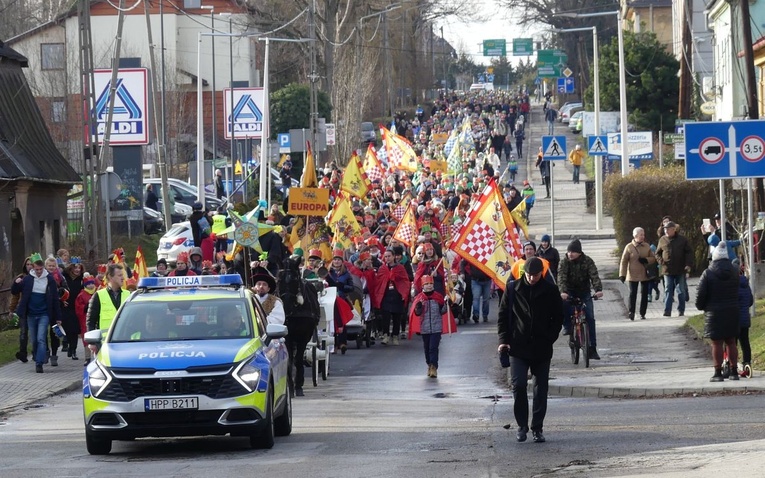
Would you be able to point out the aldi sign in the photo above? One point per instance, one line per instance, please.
(245, 118)
(130, 117)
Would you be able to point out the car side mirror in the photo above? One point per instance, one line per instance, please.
(276, 331)
(93, 337)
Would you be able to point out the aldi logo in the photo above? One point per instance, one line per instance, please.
(245, 119)
(130, 115)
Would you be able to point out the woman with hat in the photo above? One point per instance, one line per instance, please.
(390, 296)
(340, 278)
(265, 285)
(182, 266)
(74, 282)
(311, 269)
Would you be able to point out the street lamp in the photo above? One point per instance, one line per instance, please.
(596, 101)
(622, 80)
(200, 109)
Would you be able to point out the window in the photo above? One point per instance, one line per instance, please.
(58, 110)
(52, 56)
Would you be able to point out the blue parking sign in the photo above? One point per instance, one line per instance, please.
(284, 142)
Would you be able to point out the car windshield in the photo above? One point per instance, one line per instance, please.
(193, 319)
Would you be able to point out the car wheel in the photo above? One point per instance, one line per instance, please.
(97, 445)
(264, 437)
(283, 423)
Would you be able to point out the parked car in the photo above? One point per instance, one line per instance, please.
(566, 108)
(566, 116)
(178, 239)
(153, 221)
(185, 193)
(574, 121)
(482, 87)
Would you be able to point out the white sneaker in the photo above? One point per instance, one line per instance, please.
(395, 340)
(384, 340)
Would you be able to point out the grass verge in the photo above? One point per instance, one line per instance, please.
(9, 345)
(756, 333)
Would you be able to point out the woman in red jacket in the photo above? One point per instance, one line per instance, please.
(81, 308)
(390, 296)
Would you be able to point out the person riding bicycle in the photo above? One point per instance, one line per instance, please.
(578, 274)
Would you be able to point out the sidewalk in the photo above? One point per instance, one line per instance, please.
(20, 386)
(652, 357)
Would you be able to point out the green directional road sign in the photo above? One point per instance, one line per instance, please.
(550, 63)
(495, 48)
(674, 138)
(523, 46)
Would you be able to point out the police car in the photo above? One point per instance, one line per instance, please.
(187, 356)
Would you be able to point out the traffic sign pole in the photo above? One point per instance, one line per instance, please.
(552, 204)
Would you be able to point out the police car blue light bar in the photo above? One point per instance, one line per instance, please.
(189, 281)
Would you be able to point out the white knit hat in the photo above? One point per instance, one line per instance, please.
(720, 252)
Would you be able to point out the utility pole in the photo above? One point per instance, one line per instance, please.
(158, 133)
(214, 123)
(89, 216)
(314, 79)
(443, 59)
(386, 52)
(686, 59)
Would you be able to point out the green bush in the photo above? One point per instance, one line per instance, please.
(644, 196)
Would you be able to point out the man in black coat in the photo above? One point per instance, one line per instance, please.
(529, 321)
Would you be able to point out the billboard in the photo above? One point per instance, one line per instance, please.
(130, 117)
(244, 119)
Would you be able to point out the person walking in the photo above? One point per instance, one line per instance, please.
(717, 296)
(520, 135)
(390, 296)
(219, 190)
(104, 304)
(480, 286)
(528, 323)
(551, 254)
(16, 288)
(636, 258)
(151, 198)
(73, 275)
(427, 321)
(544, 170)
(576, 158)
(39, 307)
(745, 301)
(550, 116)
(529, 197)
(675, 256)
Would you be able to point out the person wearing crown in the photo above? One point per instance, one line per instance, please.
(182, 266)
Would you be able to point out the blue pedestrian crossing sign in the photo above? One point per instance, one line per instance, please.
(723, 150)
(597, 145)
(553, 147)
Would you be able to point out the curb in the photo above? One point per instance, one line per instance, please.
(615, 392)
(9, 409)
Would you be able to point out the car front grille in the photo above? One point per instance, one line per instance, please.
(128, 389)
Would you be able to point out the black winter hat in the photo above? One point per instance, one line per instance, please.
(575, 246)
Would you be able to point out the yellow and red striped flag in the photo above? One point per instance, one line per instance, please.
(139, 268)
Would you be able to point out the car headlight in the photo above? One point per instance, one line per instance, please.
(98, 379)
(248, 375)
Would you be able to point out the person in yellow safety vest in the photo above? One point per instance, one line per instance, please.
(576, 158)
(104, 303)
(220, 223)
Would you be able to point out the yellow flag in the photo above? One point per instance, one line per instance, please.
(406, 231)
(343, 222)
(308, 179)
(282, 160)
(238, 167)
(487, 239)
(517, 214)
(399, 151)
(355, 181)
(298, 231)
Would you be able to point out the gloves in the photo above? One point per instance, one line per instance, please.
(643, 260)
(622, 278)
(418, 309)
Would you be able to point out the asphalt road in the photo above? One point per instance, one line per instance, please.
(379, 416)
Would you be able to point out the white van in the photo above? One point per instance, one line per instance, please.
(482, 87)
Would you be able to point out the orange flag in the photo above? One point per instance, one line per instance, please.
(139, 268)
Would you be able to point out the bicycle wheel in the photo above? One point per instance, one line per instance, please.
(574, 345)
(585, 345)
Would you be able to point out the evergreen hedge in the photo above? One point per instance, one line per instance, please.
(646, 195)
